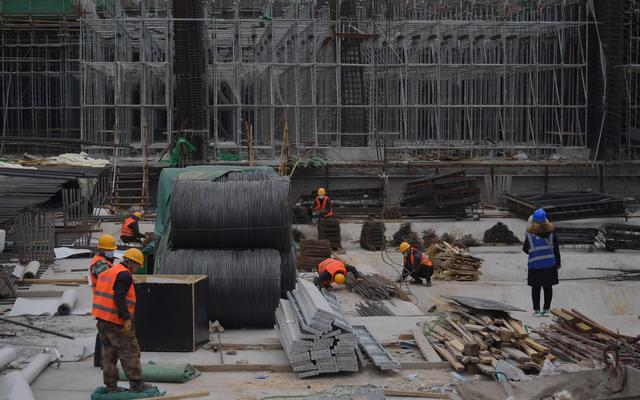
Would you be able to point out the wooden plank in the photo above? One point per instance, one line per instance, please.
(562, 315)
(583, 327)
(517, 326)
(474, 327)
(471, 349)
(537, 346)
(505, 334)
(515, 354)
(530, 352)
(186, 395)
(425, 347)
(599, 327)
(456, 344)
(455, 364)
(414, 394)
(464, 333)
(54, 281)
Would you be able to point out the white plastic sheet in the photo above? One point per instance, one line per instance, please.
(51, 306)
(65, 252)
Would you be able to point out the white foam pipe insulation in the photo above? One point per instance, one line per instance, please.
(7, 355)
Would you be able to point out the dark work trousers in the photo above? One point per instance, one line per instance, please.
(97, 352)
(535, 297)
(418, 274)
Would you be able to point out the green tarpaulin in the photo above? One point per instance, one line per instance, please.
(168, 373)
(101, 394)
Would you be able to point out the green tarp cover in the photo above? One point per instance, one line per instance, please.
(101, 394)
(168, 373)
(165, 184)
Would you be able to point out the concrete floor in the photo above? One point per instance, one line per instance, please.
(614, 304)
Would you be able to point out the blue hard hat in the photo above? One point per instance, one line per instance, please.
(539, 215)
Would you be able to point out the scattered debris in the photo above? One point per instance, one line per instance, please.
(622, 274)
(429, 237)
(575, 337)
(372, 235)
(375, 287)
(500, 233)
(312, 253)
(618, 236)
(329, 228)
(454, 263)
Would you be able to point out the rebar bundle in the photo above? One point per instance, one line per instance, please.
(372, 235)
(231, 215)
(244, 285)
(375, 287)
(312, 253)
(500, 233)
(329, 228)
(373, 309)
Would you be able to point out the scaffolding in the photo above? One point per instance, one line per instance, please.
(632, 78)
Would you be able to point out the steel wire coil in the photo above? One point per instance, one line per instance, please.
(288, 272)
(244, 285)
(231, 215)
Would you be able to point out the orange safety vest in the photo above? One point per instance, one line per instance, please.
(104, 305)
(332, 266)
(96, 259)
(424, 259)
(323, 206)
(126, 229)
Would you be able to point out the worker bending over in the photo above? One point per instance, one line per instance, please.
(416, 264)
(322, 207)
(114, 305)
(331, 270)
(130, 232)
(102, 261)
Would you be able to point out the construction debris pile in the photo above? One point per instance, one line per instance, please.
(562, 206)
(375, 287)
(312, 253)
(452, 263)
(575, 337)
(466, 336)
(444, 191)
(329, 228)
(618, 236)
(314, 332)
(501, 234)
(405, 234)
(372, 235)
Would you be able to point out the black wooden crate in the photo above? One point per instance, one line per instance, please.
(171, 312)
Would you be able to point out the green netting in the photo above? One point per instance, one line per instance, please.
(101, 394)
(42, 8)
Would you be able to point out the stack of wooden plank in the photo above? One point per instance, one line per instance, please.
(471, 338)
(329, 228)
(454, 263)
(575, 337)
(312, 253)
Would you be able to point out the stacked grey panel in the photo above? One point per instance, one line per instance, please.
(314, 332)
(377, 353)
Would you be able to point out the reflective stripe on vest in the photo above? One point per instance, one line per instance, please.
(323, 206)
(424, 260)
(104, 305)
(97, 267)
(541, 254)
(333, 267)
(126, 229)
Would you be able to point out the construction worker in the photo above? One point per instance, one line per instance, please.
(102, 261)
(130, 232)
(331, 270)
(322, 207)
(541, 244)
(114, 304)
(416, 264)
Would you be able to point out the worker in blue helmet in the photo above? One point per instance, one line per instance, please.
(541, 244)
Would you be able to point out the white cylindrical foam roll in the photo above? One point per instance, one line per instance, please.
(68, 301)
(36, 365)
(7, 355)
(31, 270)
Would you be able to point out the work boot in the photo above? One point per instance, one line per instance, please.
(537, 313)
(115, 389)
(139, 387)
(428, 283)
(545, 313)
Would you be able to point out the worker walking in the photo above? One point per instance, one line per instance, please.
(102, 261)
(114, 304)
(130, 232)
(322, 207)
(416, 264)
(331, 270)
(541, 244)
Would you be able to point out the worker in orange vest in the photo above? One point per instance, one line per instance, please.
(130, 232)
(416, 264)
(114, 305)
(331, 270)
(102, 261)
(322, 207)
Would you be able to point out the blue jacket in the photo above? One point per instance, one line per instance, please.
(541, 252)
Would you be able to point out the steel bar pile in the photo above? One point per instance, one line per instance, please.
(453, 263)
(372, 235)
(500, 234)
(621, 275)
(244, 285)
(562, 206)
(619, 236)
(576, 236)
(372, 308)
(329, 228)
(575, 337)
(444, 191)
(466, 336)
(314, 332)
(375, 287)
(35, 237)
(312, 253)
(348, 198)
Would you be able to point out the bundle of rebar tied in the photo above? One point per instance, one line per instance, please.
(372, 235)
(329, 228)
(244, 285)
(312, 253)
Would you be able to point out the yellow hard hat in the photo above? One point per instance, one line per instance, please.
(339, 278)
(134, 255)
(107, 242)
(404, 246)
(138, 214)
(321, 191)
